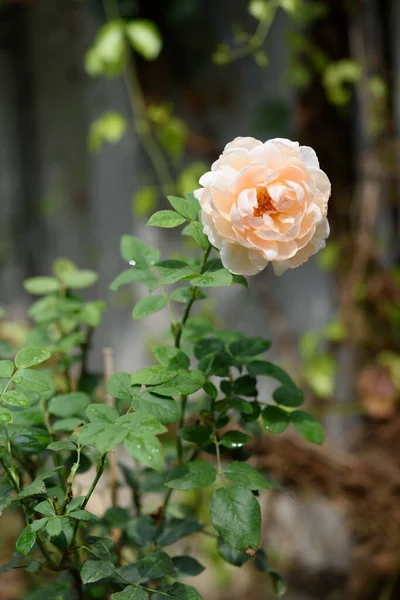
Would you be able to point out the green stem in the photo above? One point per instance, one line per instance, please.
(71, 479)
(15, 484)
(99, 472)
(256, 41)
(177, 342)
(56, 458)
(139, 112)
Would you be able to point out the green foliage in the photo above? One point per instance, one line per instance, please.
(201, 394)
(145, 38)
(110, 127)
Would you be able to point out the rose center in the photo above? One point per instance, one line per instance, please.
(264, 202)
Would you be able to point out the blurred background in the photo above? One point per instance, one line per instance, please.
(94, 136)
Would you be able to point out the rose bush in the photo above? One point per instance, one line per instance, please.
(265, 202)
(202, 393)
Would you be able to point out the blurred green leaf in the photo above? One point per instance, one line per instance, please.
(110, 127)
(41, 285)
(107, 54)
(307, 426)
(275, 419)
(145, 38)
(144, 201)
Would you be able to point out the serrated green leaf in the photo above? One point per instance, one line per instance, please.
(188, 207)
(275, 419)
(213, 279)
(245, 386)
(62, 446)
(104, 436)
(67, 424)
(171, 357)
(82, 515)
(230, 555)
(166, 219)
(148, 305)
(154, 565)
(41, 285)
(137, 253)
(5, 416)
(31, 441)
(68, 405)
(126, 277)
(165, 410)
(36, 487)
(31, 380)
(153, 376)
(288, 396)
(307, 426)
(15, 398)
(184, 294)
(247, 476)
(132, 592)
(196, 434)
(39, 524)
(191, 476)
(208, 346)
(141, 531)
(235, 514)
(95, 570)
(195, 230)
(145, 448)
(235, 439)
(45, 508)
(175, 529)
(119, 386)
(6, 368)
(240, 280)
(101, 413)
(260, 367)
(28, 357)
(249, 347)
(54, 526)
(178, 591)
(25, 541)
(186, 566)
(184, 384)
(140, 422)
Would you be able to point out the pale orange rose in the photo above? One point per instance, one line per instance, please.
(265, 202)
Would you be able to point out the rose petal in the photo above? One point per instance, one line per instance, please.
(239, 261)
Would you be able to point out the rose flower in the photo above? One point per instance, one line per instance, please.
(265, 202)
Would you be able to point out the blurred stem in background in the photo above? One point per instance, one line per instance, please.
(141, 121)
